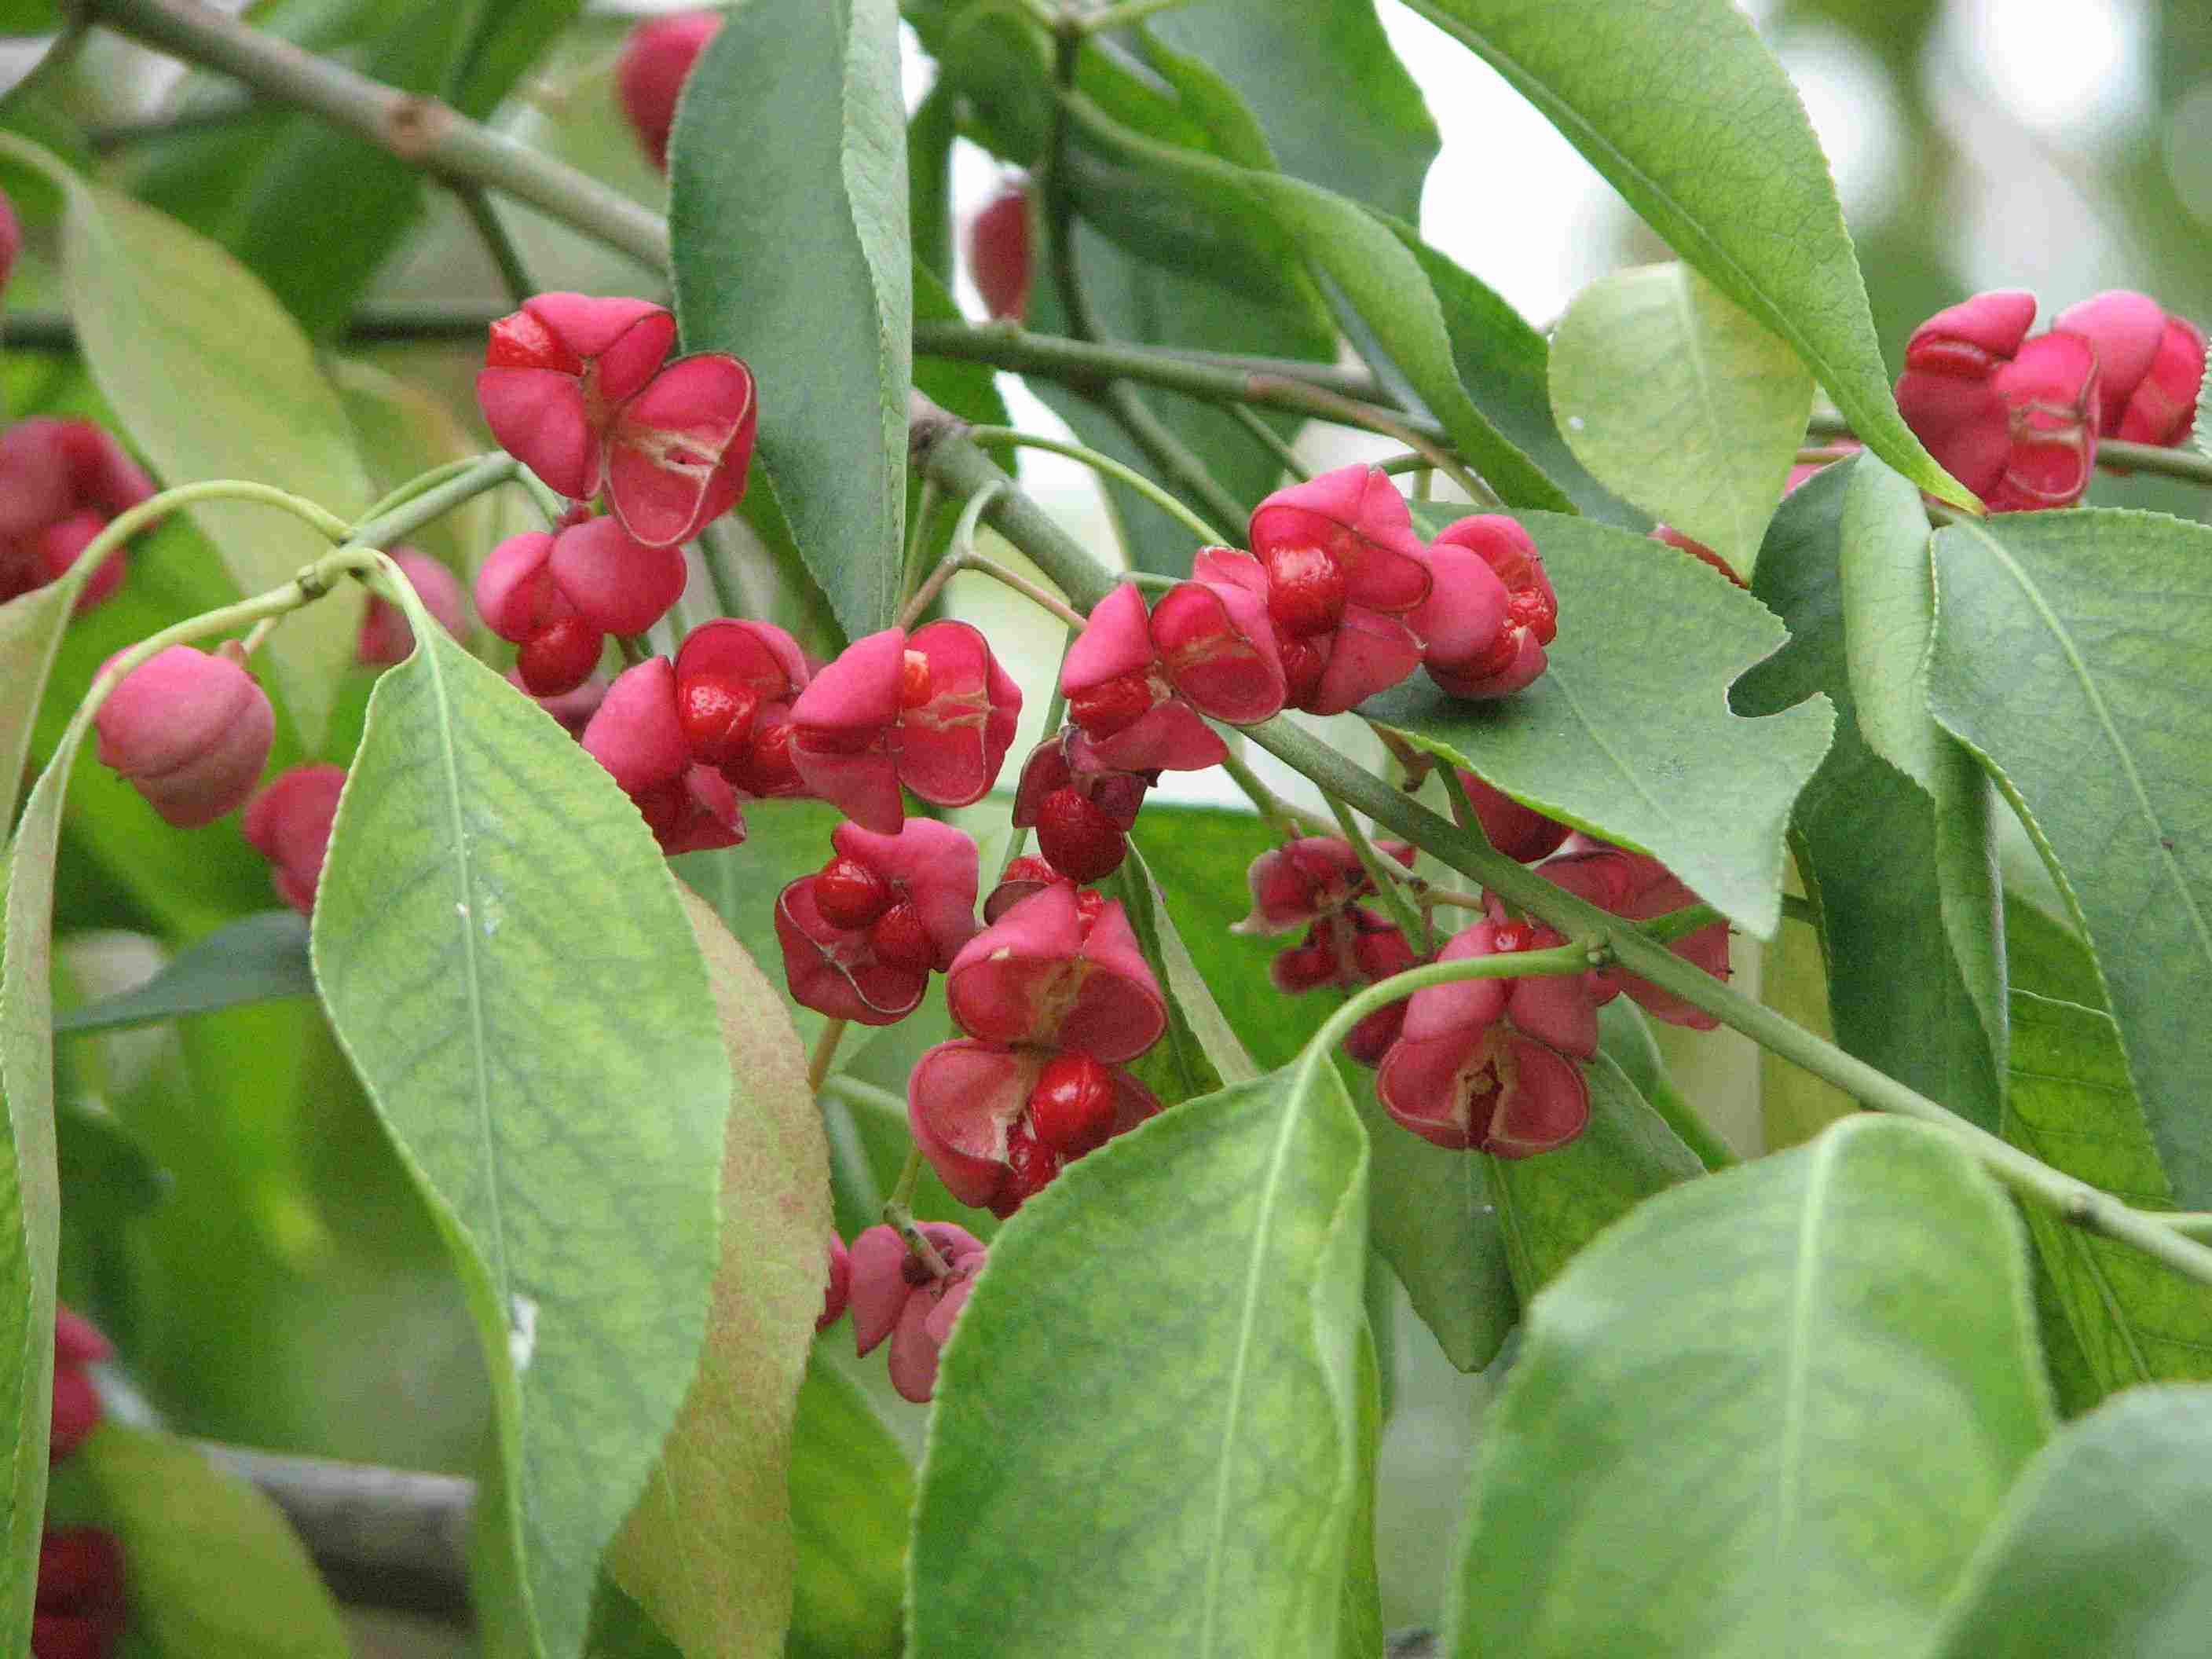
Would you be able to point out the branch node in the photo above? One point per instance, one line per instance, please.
(413, 128)
(928, 425)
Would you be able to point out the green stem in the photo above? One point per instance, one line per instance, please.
(1577, 956)
(1103, 463)
(917, 536)
(492, 232)
(420, 484)
(1678, 924)
(1219, 376)
(1127, 12)
(957, 554)
(1349, 411)
(1265, 801)
(1393, 895)
(721, 557)
(420, 131)
(1270, 439)
(852, 1089)
(898, 1215)
(1800, 909)
(824, 1055)
(2111, 453)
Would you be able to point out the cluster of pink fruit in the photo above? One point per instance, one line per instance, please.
(1483, 1064)
(2017, 419)
(80, 1610)
(896, 1291)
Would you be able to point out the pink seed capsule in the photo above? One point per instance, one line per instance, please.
(190, 732)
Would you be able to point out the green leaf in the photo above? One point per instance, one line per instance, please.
(255, 959)
(2070, 657)
(1625, 1037)
(1504, 364)
(210, 1565)
(1337, 107)
(161, 315)
(31, 627)
(1628, 733)
(484, 876)
(1892, 874)
(1359, 1620)
(1378, 277)
(30, 17)
(105, 1174)
(1550, 1207)
(1198, 1053)
(1688, 114)
(2070, 1105)
(1198, 856)
(2104, 1547)
(1435, 1224)
(707, 1552)
(929, 135)
(1191, 1294)
(1682, 401)
(851, 1492)
(30, 1197)
(310, 207)
(1889, 594)
(807, 94)
(2045, 955)
(1769, 1412)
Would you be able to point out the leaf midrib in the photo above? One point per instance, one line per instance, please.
(448, 766)
(1217, 1543)
(1797, 1375)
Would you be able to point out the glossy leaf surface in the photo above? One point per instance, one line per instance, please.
(808, 94)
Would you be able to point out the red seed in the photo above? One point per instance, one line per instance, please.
(560, 657)
(717, 716)
(1071, 1107)
(1112, 706)
(1081, 841)
(1305, 590)
(849, 895)
(899, 939)
(1031, 1166)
